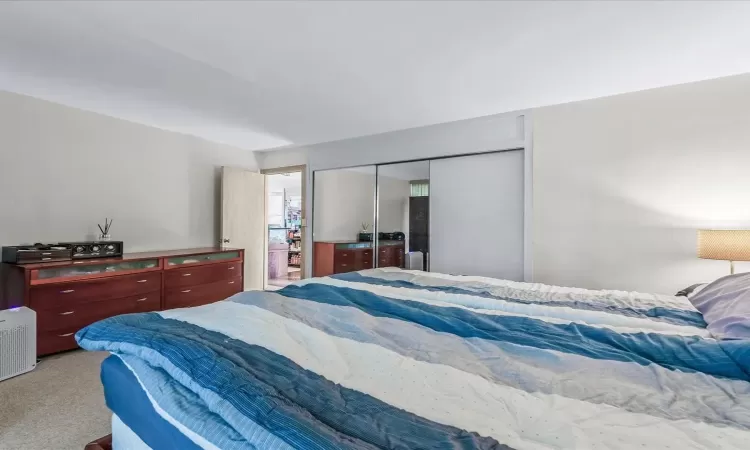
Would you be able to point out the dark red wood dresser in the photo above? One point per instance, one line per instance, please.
(70, 295)
(333, 257)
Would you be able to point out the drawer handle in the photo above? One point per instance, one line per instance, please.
(46, 259)
(142, 299)
(186, 274)
(231, 268)
(187, 290)
(343, 265)
(65, 335)
(67, 313)
(231, 282)
(141, 281)
(345, 254)
(46, 254)
(67, 291)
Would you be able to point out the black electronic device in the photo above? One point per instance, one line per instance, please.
(36, 253)
(365, 237)
(95, 249)
(394, 236)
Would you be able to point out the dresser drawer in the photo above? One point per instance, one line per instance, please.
(385, 252)
(55, 341)
(191, 276)
(201, 294)
(343, 257)
(57, 295)
(83, 314)
(343, 267)
(399, 257)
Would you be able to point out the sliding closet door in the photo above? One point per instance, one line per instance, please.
(476, 215)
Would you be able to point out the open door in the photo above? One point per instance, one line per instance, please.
(302, 170)
(243, 220)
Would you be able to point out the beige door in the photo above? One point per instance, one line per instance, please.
(244, 221)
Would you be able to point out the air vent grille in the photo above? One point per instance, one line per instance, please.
(13, 351)
(17, 342)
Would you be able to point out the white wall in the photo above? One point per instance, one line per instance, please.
(622, 183)
(466, 136)
(63, 170)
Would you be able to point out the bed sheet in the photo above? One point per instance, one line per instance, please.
(123, 438)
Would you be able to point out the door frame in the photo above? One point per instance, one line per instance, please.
(302, 169)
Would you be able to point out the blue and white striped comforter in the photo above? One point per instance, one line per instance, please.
(394, 359)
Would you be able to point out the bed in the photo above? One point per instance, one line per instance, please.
(387, 358)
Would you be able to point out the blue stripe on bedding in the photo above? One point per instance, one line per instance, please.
(669, 315)
(188, 409)
(303, 408)
(124, 396)
(691, 354)
(509, 364)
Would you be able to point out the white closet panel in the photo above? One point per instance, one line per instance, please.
(476, 215)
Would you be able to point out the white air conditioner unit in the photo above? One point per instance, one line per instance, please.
(17, 342)
(414, 261)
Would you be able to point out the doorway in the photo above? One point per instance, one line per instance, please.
(285, 205)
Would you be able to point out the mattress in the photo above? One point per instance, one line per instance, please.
(398, 359)
(123, 438)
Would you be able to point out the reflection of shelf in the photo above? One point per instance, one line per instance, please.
(296, 239)
(293, 265)
(291, 250)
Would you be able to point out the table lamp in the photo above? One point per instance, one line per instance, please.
(726, 245)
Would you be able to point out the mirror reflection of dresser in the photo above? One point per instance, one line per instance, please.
(349, 256)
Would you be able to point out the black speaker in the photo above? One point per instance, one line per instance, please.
(95, 249)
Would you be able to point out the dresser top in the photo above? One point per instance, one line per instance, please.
(129, 257)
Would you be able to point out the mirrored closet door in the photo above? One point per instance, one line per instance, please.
(477, 215)
(403, 215)
(460, 215)
(343, 220)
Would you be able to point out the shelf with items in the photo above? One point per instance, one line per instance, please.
(295, 259)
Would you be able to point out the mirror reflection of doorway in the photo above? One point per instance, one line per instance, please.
(284, 210)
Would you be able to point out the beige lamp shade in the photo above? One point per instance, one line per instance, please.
(727, 245)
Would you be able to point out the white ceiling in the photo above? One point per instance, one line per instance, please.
(267, 74)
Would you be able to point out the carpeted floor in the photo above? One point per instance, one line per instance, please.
(58, 405)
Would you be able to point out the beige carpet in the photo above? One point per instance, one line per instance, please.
(58, 405)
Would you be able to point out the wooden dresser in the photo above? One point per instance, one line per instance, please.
(70, 295)
(340, 257)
